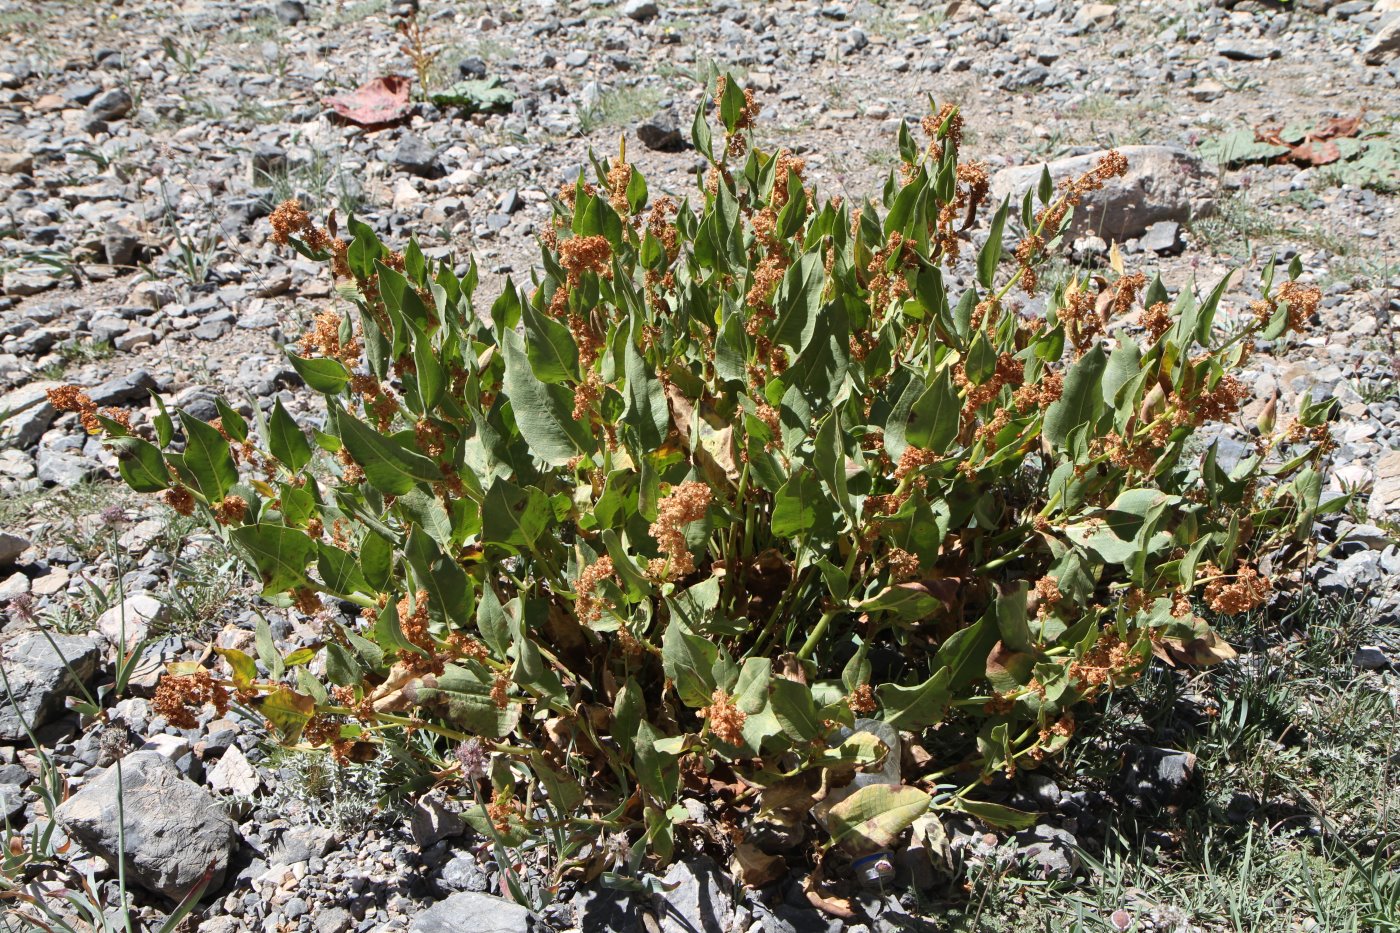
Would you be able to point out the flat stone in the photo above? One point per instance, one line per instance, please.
(133, 617)
(42, 670)
(640, 10)
(173, 829)
(234, 775)
(30, 414)
(11, 547)
(470, 912)
(16, 163)
(698, 898)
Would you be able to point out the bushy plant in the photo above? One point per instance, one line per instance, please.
(728, 475)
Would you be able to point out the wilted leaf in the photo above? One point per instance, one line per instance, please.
(874, 816)
(377, 103)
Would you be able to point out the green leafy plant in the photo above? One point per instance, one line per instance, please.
(728, 475)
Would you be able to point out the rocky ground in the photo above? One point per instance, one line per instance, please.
(142, 142)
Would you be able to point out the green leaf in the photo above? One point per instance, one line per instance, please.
(700, 133)
(377, 561)
(140, 464)
(463, 698)
(731, 103)
(647, 412)
(285, 439)
(800, 506)
(795, 709)
(339, 571)
(208, 459)
(279, 554)
(874, 816)
(449, 592)
(476, 95)
(342, 667)
(244, 668)
(990, 254)
(389, 466)
(981, 359)
(917, 707)
(550, 347)
(543, 411)
(327, 376)
(1082, 399)
(514, 516)
(428, 373)
(933, 418)
(688, 661)
(267, 649)
(995, 814)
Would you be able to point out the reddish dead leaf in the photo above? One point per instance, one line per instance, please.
(380, 102)
(1338, 127)
(1316, 152)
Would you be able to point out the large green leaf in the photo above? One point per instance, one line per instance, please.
(689, 662)
(647, 412)
(464, 699)
(550, 347)
(543, 411)
(141, 464)
(801, 506)
(933, 417)
(917, 707)
(285, 439)
(389, 466)
(327, 376)
(1082, 399)
(208, 459)
(279, 554)
(514, 516)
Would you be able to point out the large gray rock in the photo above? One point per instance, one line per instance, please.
(1162, 183)
(30, 414)
(174, 830)
(1383, 44)
(469, 912)
(129, 622)
(41, 670)
(11, 547)
(700, 899)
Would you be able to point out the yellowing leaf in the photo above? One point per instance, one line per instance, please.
(874, 816)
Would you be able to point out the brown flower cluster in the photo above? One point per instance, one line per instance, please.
(589, 608)
(725, 719)
(291, 219)
(1112, 165)
(1039, 394)
(1009, 372)
(230, 510)
(324, 338)
(1106, 663)
(1156, 321)
(903, 565)
(1248, 590)
(1302, 302)
(619, 176)
(913, 459)
(72, 398)
(179, 699)
(413, 621)
(1320, 436)
(862, 700)
(684, 504)
(180, 499)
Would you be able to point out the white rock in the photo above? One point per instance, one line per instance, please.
(234, 775)
(137, 614)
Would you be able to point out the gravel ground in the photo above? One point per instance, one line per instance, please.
(142, 143)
